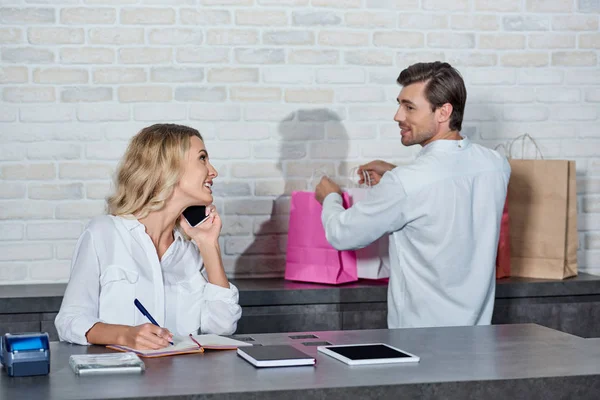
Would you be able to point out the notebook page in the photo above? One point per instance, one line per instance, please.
(181, 344)
(212, 341)
(184, 344)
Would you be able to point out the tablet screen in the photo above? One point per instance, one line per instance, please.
(368, 352)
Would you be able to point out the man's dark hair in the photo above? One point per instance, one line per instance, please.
(444, 85)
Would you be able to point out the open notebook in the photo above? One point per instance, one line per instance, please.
(187, 345)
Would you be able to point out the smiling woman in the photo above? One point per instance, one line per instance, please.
(152, 167)
(143, 250)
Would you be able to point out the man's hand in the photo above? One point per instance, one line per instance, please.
(375, 170)
(325, 187)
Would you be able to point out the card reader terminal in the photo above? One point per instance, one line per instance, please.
(25, 354)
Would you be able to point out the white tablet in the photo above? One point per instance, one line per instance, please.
(371, 353)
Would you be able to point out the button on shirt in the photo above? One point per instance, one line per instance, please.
(116, 262)
(443, 212)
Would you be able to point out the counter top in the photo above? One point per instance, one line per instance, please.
(498, 361)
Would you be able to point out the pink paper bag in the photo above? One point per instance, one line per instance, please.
(310, 258)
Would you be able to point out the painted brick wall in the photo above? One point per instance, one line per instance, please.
(279, 89)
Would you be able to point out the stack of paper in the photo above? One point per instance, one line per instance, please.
(88, 364)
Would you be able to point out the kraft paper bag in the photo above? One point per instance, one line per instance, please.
(310, 258)
(542, 207)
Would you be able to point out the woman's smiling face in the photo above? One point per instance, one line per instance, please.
(198, 174)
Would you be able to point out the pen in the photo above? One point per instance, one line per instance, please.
(146, 313)
(195, 341)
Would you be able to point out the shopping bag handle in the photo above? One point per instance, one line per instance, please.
(503, 147)
(317, 173)
(523, 137)
(366, 177)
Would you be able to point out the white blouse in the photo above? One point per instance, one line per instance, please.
(116, 262)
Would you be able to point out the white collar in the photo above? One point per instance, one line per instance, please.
(131, 223)
(445, 145)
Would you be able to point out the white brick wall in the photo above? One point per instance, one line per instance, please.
(279, 88)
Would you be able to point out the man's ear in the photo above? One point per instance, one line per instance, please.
(444, 113)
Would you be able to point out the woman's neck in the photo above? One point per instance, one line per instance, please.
(159, 226)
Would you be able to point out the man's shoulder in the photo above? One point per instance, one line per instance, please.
(492, 156)
(486, 150)
(413, 174)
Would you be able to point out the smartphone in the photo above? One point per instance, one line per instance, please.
(195, 215)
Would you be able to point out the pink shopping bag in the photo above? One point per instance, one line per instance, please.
(310, 258)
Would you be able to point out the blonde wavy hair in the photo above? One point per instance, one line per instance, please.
(150, 169)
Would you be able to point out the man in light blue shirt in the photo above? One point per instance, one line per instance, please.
(442, 212)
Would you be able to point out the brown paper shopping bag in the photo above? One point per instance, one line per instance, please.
(542, 200)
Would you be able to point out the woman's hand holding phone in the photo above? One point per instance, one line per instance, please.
(206, 236)
(207, 231)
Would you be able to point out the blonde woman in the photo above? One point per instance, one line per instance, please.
(144, 249)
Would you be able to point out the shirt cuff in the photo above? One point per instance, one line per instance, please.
(333, 198)
(80, 327)
(215, 292)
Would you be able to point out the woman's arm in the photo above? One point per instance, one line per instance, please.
(213, 263)
(78, 322)
(79, 308)
(146, 336)
(220, 310)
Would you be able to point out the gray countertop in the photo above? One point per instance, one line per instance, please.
(498, 361)
(267, 292)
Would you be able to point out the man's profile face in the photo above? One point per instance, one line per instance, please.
(414, 116)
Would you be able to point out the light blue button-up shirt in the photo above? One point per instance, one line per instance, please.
(443, 213)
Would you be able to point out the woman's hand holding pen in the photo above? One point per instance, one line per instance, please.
(146, 336)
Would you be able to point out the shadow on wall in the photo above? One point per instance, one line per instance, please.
(311, 143)
(482, 119)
